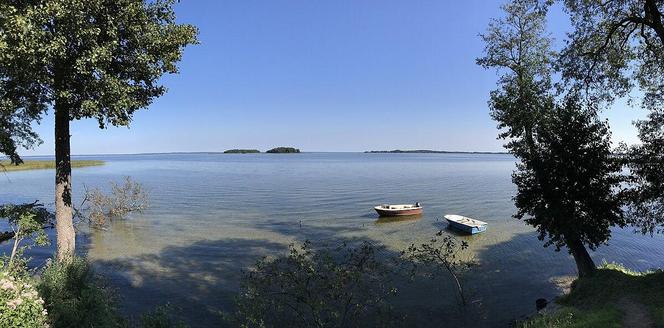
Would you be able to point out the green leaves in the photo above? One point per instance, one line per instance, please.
(28, 221)
(102, 58)
(566, 177)
(616, 47)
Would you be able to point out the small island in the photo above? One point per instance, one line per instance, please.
(427, 151)
(283, 150)
(242, 151)
(7, 166)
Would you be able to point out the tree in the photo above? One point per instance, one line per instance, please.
(616, 47)
(98, 59)
(567, 189)
(645, 191)
(565, 175)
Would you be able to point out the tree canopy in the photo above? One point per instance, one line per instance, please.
(566, 177)
(100, 59)
(615, 49)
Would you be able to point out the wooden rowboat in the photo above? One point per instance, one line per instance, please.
(465, 224)
(399, 210)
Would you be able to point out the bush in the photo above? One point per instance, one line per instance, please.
(20, 305)
(74, 298)
(328, 287)
(160, 317)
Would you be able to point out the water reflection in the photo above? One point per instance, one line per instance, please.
(398, 219)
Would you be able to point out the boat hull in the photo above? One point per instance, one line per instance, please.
(401, 212)
(465, 228)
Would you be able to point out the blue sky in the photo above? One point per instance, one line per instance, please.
(332, 75)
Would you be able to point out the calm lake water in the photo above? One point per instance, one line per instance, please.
(213, 215)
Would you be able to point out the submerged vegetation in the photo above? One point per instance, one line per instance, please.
(44, 164)
(65, 293)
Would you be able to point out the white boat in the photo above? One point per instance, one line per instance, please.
(465, 224)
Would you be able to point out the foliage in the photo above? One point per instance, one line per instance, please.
(160, 318)
(15, 128)
(99, 207)
(74, 298)
(566, 176)
(567, 190)
(645, 192)
(330, 287)
(20, 305)
(283, 150)
(27, 222)
(440, 253)
(344, 286)
(517, 47)
(101, 59)
(616, 47)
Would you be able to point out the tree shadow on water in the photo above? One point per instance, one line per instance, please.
(513, 273)
(201, 279)
(197, 280)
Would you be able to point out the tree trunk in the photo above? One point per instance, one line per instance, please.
(584, 263)
(64, 225)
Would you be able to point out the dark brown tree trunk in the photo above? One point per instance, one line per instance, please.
(654, 18)
(64, 225)
(584, 263)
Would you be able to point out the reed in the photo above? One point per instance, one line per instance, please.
(6, 166)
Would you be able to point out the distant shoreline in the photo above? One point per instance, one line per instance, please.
(262, 153)
(6, 166)
(427, 151)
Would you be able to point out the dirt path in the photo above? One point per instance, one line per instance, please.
(636, 314)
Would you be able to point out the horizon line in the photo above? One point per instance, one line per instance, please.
(263, 152)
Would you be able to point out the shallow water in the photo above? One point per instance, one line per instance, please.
(212, 215)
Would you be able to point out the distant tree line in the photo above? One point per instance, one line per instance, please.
(277, 150)
(283, 150)
(242, 151)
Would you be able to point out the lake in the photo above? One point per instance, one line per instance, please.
(213, 215)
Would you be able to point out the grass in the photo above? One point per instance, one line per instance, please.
(6, 166)
(574, 318)
(607, 299)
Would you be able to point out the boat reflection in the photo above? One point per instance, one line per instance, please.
(395, 219)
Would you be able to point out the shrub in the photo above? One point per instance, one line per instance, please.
(98, 208)
(27, 223)
(20, 305)
(329, 287)
(74, 298)
(440, 254)
(160, 317)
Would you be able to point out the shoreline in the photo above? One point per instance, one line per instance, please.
(29, 165)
